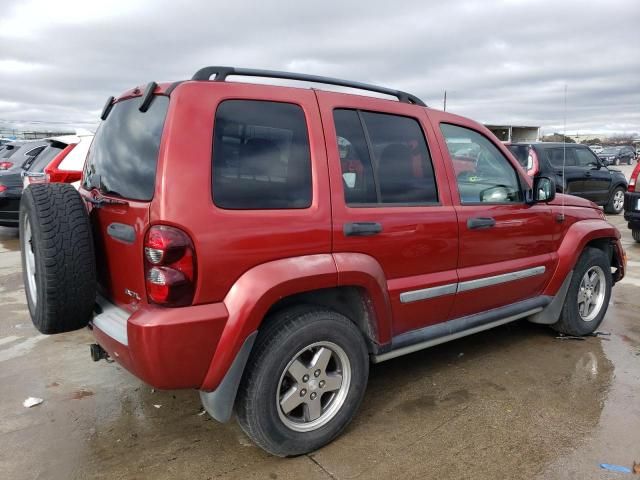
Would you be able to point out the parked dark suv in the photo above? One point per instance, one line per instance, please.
(584, 173)
(617, 155)
(264, 244)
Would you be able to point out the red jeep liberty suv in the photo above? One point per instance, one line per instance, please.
(262, 244)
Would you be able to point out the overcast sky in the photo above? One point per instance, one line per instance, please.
(500, 61)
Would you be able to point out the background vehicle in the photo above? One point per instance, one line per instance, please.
(263, 244)
(12, 159)
(585, 175)
(596, 148)
(632, 204)
(617, 155)
(61, 161)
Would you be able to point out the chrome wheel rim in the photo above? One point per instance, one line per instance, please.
(313, 386)
(30, 261)
(618, 200)
(591, 293)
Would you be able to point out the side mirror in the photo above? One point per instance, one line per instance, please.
(544, 189)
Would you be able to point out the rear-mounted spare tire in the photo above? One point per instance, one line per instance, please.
(58, 262)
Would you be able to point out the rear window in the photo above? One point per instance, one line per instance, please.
(521, 152)
(261, 157)
(125, 149)
(45, 157)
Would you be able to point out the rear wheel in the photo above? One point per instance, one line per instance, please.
(616, 201)
(617, 161)
(636, 235)
(58, 264)
(588, 295)
(304, 381)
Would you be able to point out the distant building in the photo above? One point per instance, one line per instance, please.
(586, 137)
(515, 133)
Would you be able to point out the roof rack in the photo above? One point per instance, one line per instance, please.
(221, 73)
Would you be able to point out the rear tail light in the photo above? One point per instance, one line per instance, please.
(633, 181)
(55, 175)
(6, 165)
(533, 166)
(2, 188)
(170, 266)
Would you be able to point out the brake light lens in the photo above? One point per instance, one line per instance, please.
(2, 188)
(170, 266)
(6, 165)
(533, 166)
(633, 181)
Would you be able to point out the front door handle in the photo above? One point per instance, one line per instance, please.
(587, 174)
(362, 229)
(480, 222)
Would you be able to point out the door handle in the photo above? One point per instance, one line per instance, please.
(362, 229)
(480, 222)
(587, 174)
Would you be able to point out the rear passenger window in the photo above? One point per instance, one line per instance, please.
(558, 156)
(261, 157)
(384, 159)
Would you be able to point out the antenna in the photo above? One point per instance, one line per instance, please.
(564, 153)
(445, 100)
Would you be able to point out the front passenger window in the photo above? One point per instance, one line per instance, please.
(586, 158)
(483, 173)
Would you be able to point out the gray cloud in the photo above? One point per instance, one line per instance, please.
(500, 61)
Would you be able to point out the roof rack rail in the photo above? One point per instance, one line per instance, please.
(221, 73)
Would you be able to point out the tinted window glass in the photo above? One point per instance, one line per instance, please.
(39, 162)
(261, 156)
(585, 157)
(395, 168)
(357, 172)
(125, 149)
(483, 173)
(9, 150)
(34, 151)
(521, 152)
(557, 155)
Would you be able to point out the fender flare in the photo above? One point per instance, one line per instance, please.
(258, 289)
(575, 239)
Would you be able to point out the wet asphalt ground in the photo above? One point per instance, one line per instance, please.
(513, 402)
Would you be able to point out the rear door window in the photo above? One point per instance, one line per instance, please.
(124, 152)
(384, 159)
(560, 155)
(261, 156)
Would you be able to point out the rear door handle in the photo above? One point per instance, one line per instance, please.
(480, 222)
(362, 229)
(587, 174)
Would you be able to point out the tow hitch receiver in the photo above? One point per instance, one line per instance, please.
(98, 353)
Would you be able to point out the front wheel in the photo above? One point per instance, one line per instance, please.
(588, 296)
(616, 201)
(636, 235)
(304, 381)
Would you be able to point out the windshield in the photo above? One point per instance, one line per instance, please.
(124, 152)
(611, 150)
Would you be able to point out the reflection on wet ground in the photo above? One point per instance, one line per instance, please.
(513, 402)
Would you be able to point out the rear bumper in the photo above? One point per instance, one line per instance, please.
(168, 348)
(632, 209)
